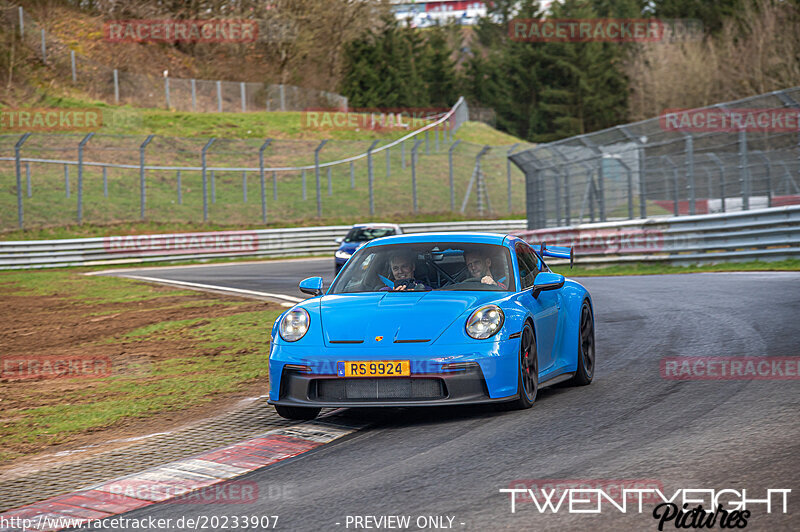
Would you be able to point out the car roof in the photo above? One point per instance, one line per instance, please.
(421, 238)
(381, 225)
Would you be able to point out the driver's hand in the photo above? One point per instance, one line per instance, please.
(401, 287)
(487, 279)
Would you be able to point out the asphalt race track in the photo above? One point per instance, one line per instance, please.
(629, 425)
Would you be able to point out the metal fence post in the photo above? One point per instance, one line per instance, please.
(80, 175)
(508, 172)
(105, 182)
(166, 91)
(744, 170)
(194, 94)
(28, 178)
(244, 186)
(21, 23)
(44, 49)
(205, 181)
(370, 178)
(414, 172)
(768, 169)
(352, 175)
(675, 182)
(142, 193)
(263, 181)
(475, 171)
(316, 172)
(219, 96)
(17, 148)
(282, 93)
(66, 180)
(330, 183)
(72, 61)
(243, 96)
(450, 172)
(721, 167)
(180, 189)
(303, 179)
(690, 172)
(116, 86)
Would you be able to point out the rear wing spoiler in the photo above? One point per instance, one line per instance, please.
(557, 252)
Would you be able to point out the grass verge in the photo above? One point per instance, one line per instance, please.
(167, 350)
(640, 268)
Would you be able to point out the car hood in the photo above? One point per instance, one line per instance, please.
(350, 247)
(397, 317)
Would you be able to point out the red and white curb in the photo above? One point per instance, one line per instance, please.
(184, 481)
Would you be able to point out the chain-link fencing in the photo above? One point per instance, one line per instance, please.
(60, 179)
(732, 156)
(123, 87)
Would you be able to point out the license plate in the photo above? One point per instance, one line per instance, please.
(374, 368)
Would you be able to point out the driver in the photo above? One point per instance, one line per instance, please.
(479, 266)
(403, 267)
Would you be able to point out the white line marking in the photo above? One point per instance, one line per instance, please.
(214, 287)
(234, 262)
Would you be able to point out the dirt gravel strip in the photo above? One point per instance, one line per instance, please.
(186, 478)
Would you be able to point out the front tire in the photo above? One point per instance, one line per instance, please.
(528, 371)
(298, 413)
(586, 350)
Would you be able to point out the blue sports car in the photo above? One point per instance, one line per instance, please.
(433, 319)
(357, 236)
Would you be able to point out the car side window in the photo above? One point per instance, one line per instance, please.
(528, 266)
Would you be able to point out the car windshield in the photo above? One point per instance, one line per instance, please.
(428, 266)
(362, 234)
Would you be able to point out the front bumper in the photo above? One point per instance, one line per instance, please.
(466, 386)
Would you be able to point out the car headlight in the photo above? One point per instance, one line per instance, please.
(485, 322)
(342, 255)
(294, 325)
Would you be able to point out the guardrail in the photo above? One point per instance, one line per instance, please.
(766, 234)
(769, 234)
(195, 246)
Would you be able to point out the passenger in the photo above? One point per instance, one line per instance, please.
(403, 266)
(479, 266)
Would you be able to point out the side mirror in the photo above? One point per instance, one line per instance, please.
(339, 240)
(312, 285)
(547, 281)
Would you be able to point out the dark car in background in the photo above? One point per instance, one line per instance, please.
(358, 235)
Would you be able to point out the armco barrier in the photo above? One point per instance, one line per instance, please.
(766, 234)
(193, 246)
